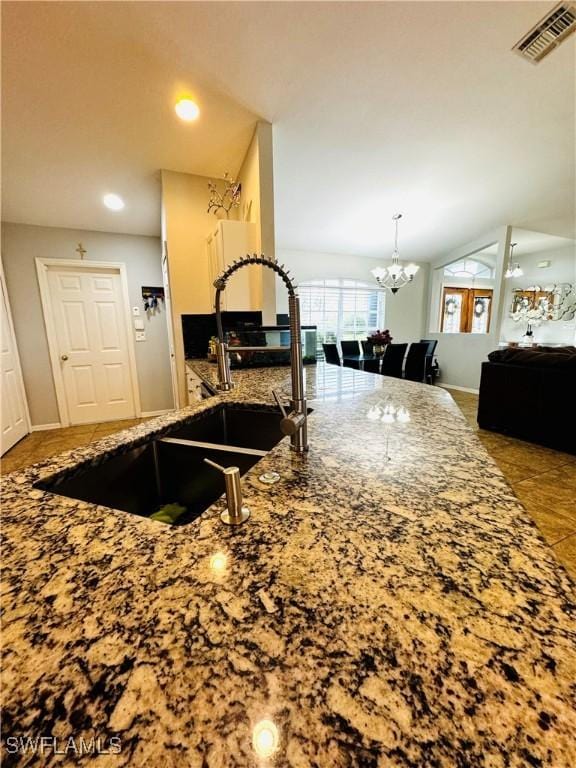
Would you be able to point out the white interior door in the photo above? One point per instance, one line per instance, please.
(91, 342)
(14, 413)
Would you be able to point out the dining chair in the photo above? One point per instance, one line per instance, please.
(350, 348)
(372, 366)
(415, 369)
(432, 343)
(431, 365)
(393, 360)
(367, 347)
(331, 354)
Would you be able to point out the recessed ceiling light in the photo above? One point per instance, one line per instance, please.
(186, 109)
(114, 202)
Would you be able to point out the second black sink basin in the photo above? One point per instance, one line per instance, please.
(251, 427)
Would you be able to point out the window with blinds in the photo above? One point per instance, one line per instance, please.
(341, 309)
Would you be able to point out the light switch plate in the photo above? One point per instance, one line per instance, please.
(140, 336)
(138, 324)
(136, 311)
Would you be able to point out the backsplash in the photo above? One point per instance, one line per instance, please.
(198, 329)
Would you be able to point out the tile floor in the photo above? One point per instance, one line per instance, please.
(543, 479)
(40, 445)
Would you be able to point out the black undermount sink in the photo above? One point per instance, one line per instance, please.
(249, 427)
(170, 469)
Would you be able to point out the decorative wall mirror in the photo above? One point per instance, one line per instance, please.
(537, 304)
(564, 302)
(533, 298)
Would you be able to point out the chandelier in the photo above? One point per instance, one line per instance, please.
(396, 275)
(513, 270)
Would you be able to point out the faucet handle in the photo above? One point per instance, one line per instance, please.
(279, 403)
(290, 422)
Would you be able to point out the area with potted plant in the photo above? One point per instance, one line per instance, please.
(379, 340)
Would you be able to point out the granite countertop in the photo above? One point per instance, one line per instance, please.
(369, 614)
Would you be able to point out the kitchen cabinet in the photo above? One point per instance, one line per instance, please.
(193, 386)
(229, 241)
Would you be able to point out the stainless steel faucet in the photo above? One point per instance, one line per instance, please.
(294, 423)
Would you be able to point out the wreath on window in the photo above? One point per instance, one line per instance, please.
(450, 306)
(479, 308)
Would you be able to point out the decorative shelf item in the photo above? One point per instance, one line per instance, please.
(226, 199)
(151, 297)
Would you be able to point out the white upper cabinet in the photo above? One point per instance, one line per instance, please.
(231, 240)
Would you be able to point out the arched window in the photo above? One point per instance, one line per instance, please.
(469, 268)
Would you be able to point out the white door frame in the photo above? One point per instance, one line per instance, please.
(12, 333)
(42, 267)
(170, 327)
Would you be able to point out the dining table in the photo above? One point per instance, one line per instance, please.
(361, 359)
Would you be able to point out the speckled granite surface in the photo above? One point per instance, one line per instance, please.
(402, 613)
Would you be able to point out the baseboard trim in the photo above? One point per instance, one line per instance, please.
(460, 389)
(58, 425)
(149, 414)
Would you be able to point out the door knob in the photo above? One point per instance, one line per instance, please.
(63, 357)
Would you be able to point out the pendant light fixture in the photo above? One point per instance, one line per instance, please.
(513, 268)
(396, 275)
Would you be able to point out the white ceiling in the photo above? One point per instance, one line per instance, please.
(377, 108)
(535, 242)
(527, 242)
(88, 108)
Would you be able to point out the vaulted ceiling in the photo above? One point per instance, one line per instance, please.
(417, 107)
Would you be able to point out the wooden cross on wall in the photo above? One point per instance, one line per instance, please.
(81, 250)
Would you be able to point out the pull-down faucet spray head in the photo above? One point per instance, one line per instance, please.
(295, 423)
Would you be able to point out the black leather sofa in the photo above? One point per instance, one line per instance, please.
(531, 394)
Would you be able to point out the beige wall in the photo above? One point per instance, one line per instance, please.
(257, 205)
(186, 225)
(404, 314)
(249, 177)
(21, 244)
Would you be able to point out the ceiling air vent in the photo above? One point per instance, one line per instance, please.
(548, 33)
